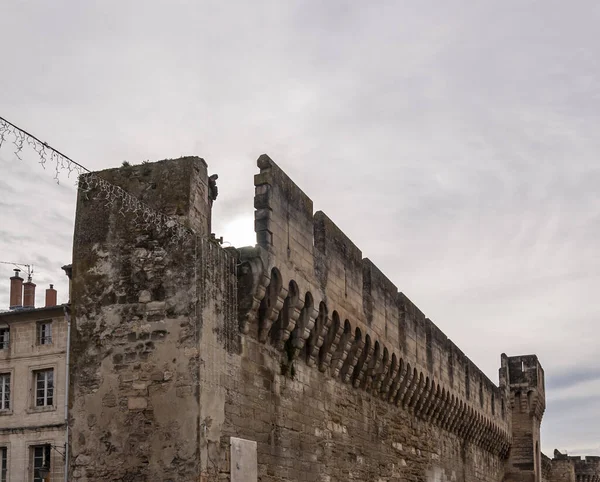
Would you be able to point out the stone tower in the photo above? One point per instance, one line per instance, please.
(134, 399)
(524, 379)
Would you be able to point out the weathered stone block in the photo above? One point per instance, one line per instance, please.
(137, 403)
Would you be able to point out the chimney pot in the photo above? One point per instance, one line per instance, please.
(16, 291)
(29, 294)
(50, 296)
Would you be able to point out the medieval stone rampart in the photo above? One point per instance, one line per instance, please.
(350, 320)
(587, 469)
(566, 468)
(298, 344)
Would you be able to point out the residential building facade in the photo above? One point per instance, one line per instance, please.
(33, 347)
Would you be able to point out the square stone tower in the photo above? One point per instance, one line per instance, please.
(134, 377)
(528, 401)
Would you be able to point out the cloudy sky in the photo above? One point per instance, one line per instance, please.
(456, 142)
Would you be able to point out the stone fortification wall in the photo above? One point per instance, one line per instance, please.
(381, 382)
(310, 351)
(587, 469)
(565, 468)
(335, 293)
(561, 470)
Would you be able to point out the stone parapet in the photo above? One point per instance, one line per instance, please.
(570, 468)
(314, 291)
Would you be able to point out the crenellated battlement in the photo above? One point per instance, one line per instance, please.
(587, 469)
(312, 291)
(526, 383)
(575, 468)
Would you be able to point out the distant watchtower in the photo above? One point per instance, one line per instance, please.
(525, 382)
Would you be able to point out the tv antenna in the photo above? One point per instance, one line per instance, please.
(21, 265)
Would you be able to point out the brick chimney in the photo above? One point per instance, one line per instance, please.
(50, 296)
(29, 294)
(16, 291)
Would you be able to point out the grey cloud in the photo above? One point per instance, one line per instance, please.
(566, 379)
(572, 410)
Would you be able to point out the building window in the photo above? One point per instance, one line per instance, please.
(41, 462)
(467, 383)
(493, 404)
(44, 333)
(4, 337)
(5, 391)
(44, 388)
(3, 464)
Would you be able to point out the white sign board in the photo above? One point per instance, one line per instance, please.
(243, 460)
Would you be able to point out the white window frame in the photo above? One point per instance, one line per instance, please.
(3, 390)
(32, 370)
(44, 332)
(5, 340)
(36, 374)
